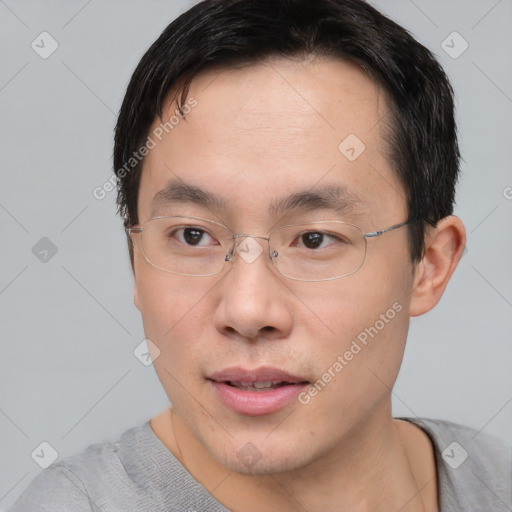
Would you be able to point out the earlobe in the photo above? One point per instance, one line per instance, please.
(444, 247)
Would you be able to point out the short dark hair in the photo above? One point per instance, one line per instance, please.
(422, 139)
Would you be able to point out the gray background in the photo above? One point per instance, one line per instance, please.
(68, 375)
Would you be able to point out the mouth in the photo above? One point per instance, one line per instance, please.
(258, 386)
(257, 392)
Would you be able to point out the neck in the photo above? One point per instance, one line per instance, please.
(381, 465)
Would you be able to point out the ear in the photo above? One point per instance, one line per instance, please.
(444, 246)
(136, 299)
(131, 250)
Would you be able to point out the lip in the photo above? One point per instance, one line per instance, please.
(256, 403)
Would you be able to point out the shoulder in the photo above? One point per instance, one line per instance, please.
(81, 482)
(55, 489)
(474, 468)
(482, 449)
(135, 473)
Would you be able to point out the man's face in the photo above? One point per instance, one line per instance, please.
(258, 135)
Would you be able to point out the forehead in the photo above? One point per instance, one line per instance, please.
(261, 131)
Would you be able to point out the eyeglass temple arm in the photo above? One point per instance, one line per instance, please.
(373, 234)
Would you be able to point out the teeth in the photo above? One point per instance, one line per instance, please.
(256, 385)
(265, 384)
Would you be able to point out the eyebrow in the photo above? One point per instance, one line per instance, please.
(331, 197)
(177, 192)
(327, 197)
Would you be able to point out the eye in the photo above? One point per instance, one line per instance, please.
(193, 236)
(317, 240)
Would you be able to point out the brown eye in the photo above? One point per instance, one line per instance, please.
(312, 240)
(192, 235)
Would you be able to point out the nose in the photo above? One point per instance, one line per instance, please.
(254, 302)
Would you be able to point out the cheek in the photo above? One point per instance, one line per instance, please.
(358, 361)
(173, 313)
(174, 319)
(349, 307)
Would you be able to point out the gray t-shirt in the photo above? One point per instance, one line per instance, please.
(138, 473)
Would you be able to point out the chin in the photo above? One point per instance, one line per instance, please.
(261, 455)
